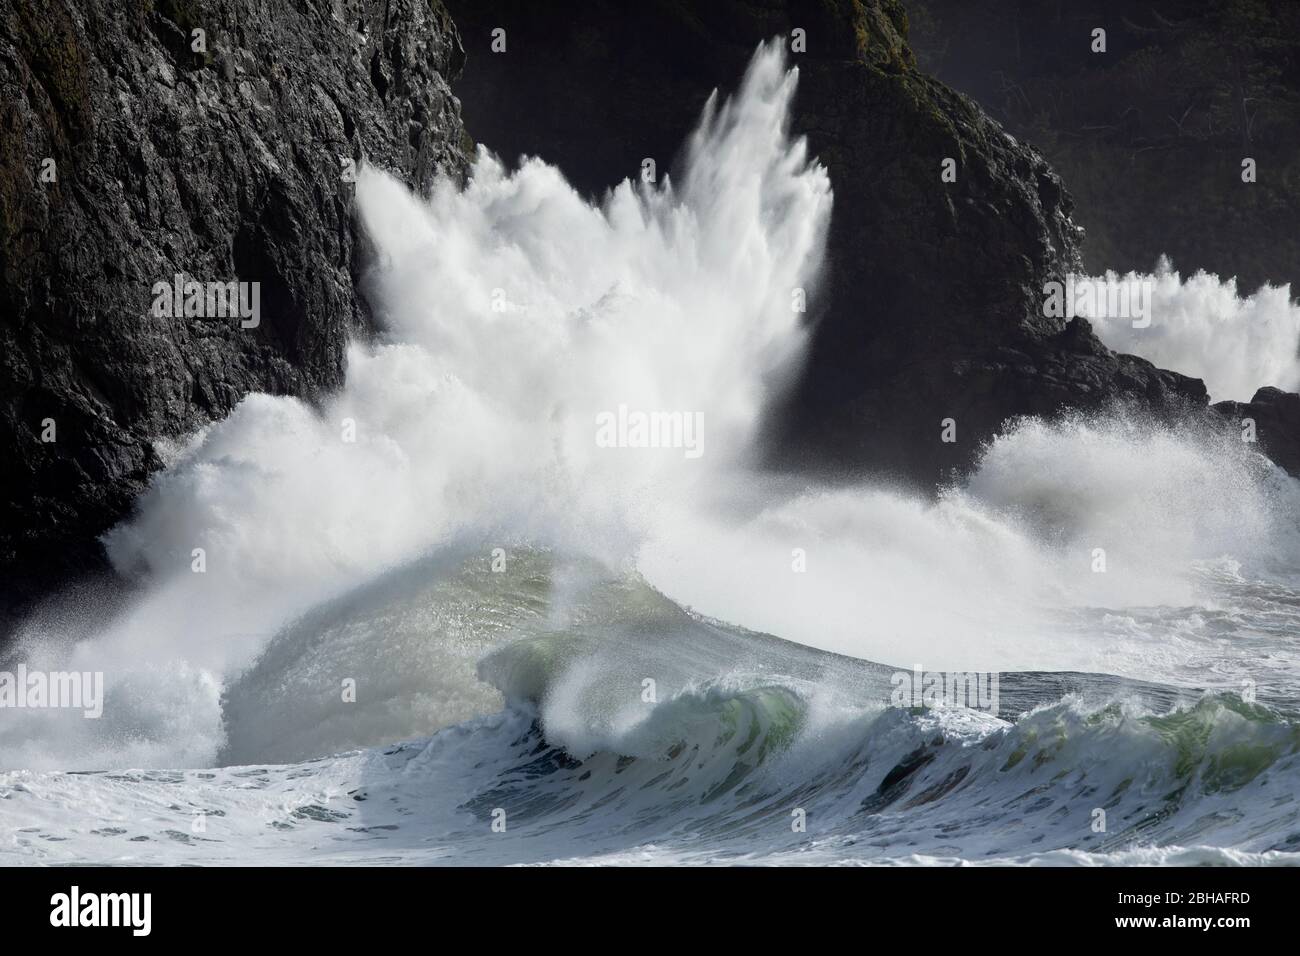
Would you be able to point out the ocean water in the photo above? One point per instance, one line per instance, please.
(439, 621)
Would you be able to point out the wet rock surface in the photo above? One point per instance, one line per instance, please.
(1275, 417)
(130, 152)
(226, 163)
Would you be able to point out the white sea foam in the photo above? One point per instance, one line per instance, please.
(978, 580)
(359, 542)
(1205, 327)
(515, 313)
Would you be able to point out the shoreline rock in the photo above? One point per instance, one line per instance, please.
(224, 164)
(1276, 418)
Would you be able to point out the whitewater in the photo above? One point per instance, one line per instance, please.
(435, 620)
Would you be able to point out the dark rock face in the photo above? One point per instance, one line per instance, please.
(1185, 90)
(1276, 415)
(223, 165)
(934, 301)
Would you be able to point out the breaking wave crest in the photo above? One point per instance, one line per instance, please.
(1203, 326)
(445, 548)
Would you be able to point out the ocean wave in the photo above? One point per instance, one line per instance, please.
(717, 775)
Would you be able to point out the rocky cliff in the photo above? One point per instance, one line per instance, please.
(145, 139)
(134, 149)
(1183, 92)
(934, 307)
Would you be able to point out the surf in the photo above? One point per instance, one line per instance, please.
(438, 595)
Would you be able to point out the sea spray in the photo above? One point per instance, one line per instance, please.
(1205, 327)
(514, 311)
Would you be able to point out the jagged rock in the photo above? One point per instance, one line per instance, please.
(933, 306)
(1276, 415)
(223, 165)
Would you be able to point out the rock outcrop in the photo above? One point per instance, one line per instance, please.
(1184, 92)
(934, 305)
(134, 149)
(1274, 416)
